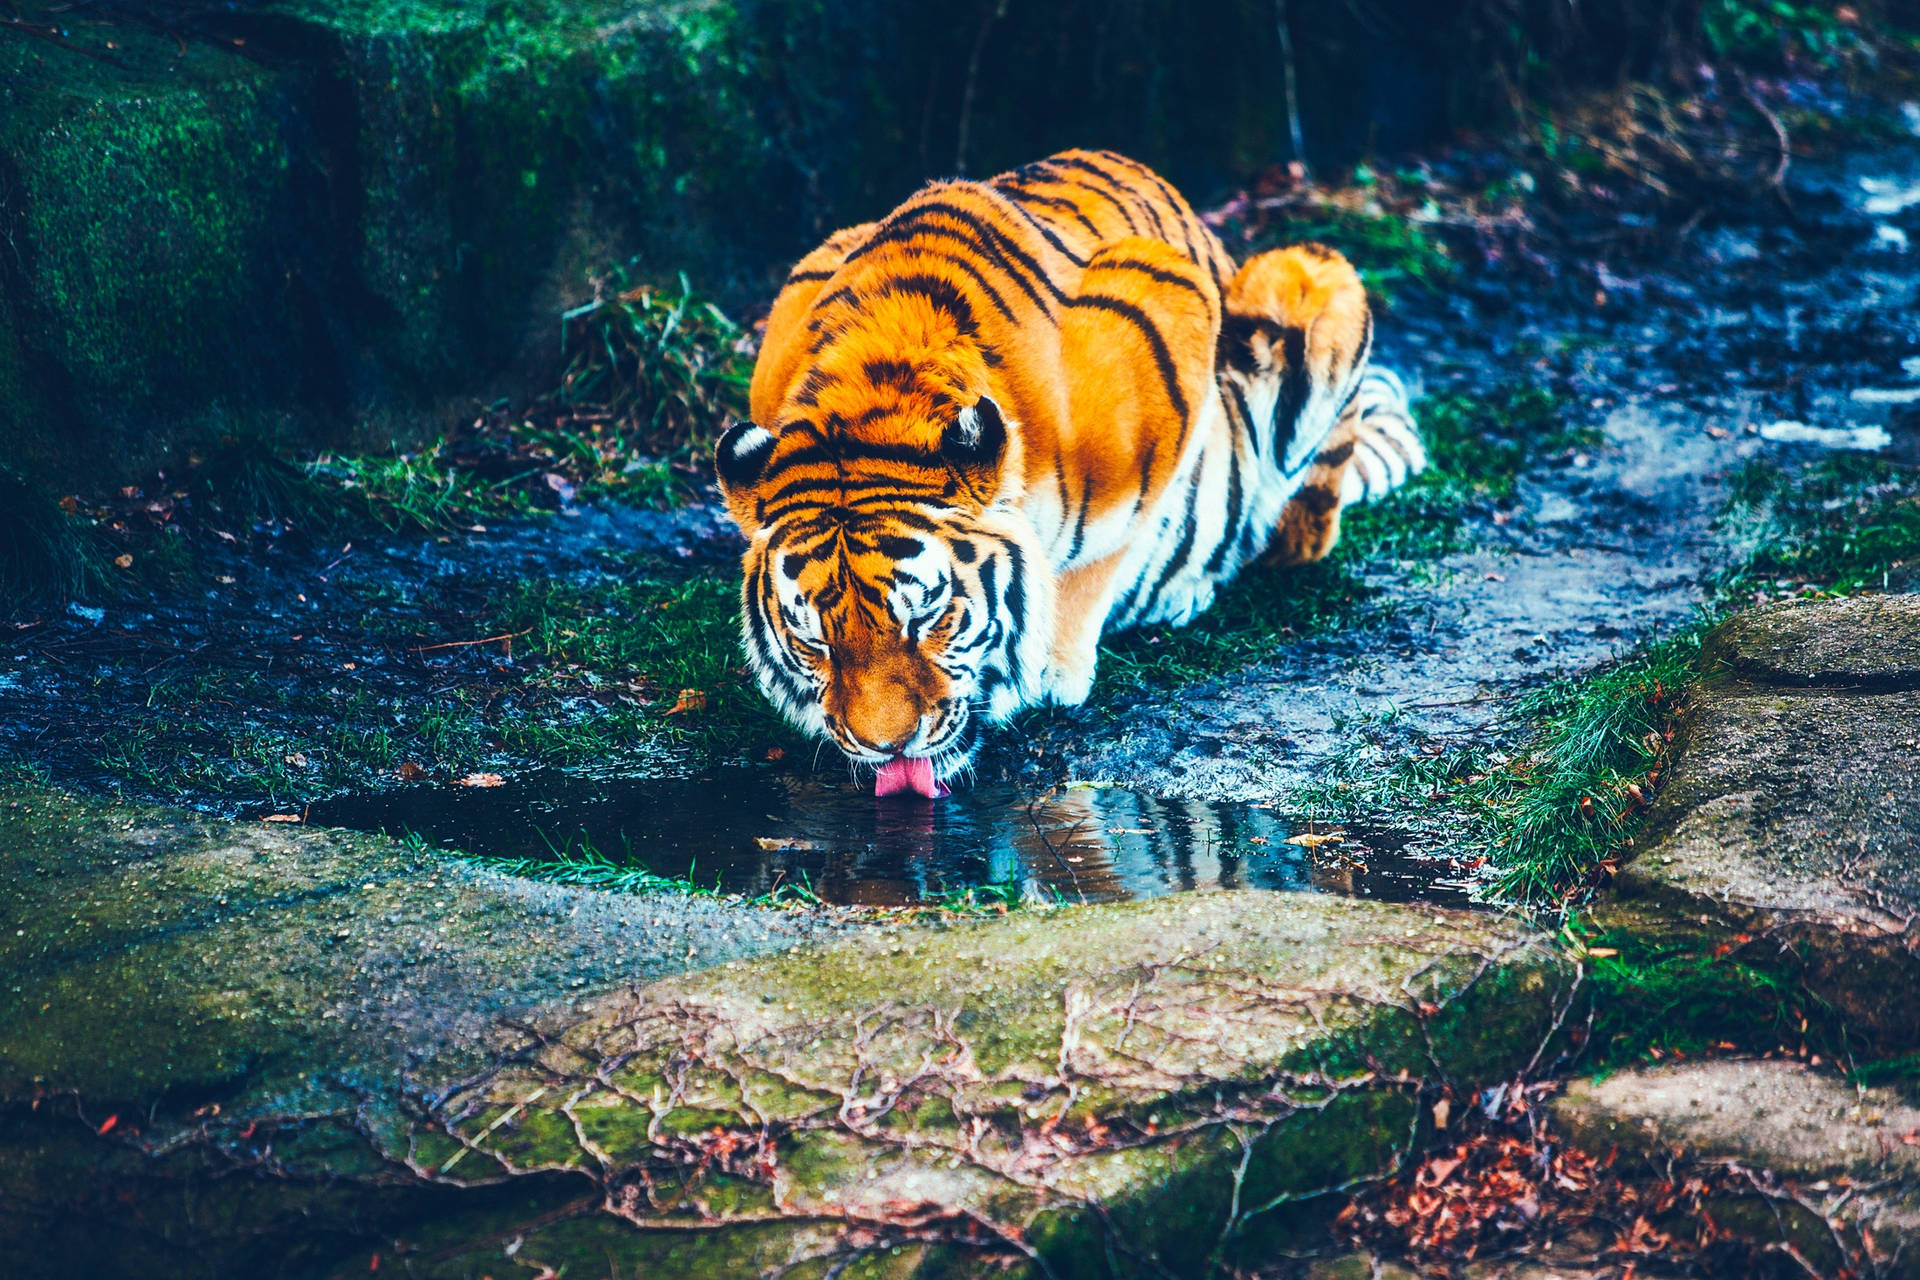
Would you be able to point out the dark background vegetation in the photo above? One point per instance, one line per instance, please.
(357, 221)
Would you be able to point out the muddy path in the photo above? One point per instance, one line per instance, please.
(359, 681)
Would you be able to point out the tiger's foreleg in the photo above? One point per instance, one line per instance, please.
(1082, 600)
(1373, 450)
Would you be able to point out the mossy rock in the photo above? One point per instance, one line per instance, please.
(232, 1047)
(1093, 1089)
(1787, 830)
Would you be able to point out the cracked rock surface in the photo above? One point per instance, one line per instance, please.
(1790, 821)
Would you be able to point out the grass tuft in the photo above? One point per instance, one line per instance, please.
(671, 365)
(46, 555)
(1842, 525)
(244, 476)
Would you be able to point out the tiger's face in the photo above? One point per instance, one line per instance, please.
(896, 612)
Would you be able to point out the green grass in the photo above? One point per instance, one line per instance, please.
(1841, 526)
(1656, 998)
(669, 363)
(1391, 252)
(666, 640)
(47, 555)
(1766, 32)
(419, 490)
(1549, 813)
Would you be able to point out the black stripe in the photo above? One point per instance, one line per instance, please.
(1125, 188)
(796, 276)
(1146, 473)
(943, 293)
(1017, 606)
(1167, 193)
(1125, 215)
(845, 293)
(883, 372)
(935, 230)
(995, 243)
(1022, 196)
(990, 584)
(1052, 236)
(973, 272)
(837, 489)
(1158, 273)
(816, 381)
(1080, 520)
(1162, 356)
(1189, 529)
(1239, 398)
(1294, 389)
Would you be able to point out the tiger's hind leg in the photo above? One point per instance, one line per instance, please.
(1293, 345)
(1373, 451)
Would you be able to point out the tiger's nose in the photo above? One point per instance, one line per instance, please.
(885, 722)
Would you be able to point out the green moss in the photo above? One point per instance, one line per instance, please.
(1841, 525)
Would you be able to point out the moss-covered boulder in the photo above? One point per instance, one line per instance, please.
(235, 1048)
(1787, 832)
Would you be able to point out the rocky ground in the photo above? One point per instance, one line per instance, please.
(249, 1048)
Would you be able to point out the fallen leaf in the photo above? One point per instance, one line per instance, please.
(1314, 839)
(1602, 952)
(280, 817)
(771, 843)
(297, 759)
(1718, 433)
(123, 561)
(411, 772)
(689, 701)
(106, 1126)
(481, 780)
(1442, 1110)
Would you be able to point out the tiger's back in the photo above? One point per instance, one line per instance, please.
(1017, 413)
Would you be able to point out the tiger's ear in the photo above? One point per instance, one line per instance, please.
(739, 459)
(975, 445)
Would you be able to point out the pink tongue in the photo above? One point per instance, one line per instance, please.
(908, 773)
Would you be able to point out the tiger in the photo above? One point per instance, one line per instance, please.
(1016, 415)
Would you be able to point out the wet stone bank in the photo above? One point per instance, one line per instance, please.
(254, 1048)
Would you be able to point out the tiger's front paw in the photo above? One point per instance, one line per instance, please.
(1068, 683)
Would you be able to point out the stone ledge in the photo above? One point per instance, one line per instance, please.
(1869, 642)
(1833, 1169)
(1788, 826)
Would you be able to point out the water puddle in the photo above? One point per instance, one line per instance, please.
(745, 832)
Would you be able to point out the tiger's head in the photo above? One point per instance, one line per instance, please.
(893, 598)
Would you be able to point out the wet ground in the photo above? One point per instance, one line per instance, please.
(356, 681)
